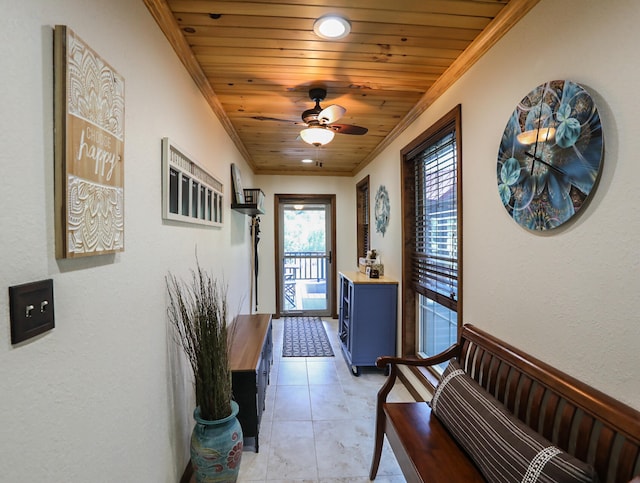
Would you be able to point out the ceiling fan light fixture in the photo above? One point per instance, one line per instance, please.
(332, 27)
(318, 136)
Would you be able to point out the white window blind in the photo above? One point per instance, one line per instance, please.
(435, 249)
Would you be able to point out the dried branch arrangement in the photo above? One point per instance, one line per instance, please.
(198, 313)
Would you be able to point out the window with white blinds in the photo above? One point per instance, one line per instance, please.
(362, 216)
(431, 207)
(435, 243)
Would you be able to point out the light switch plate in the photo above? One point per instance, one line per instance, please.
(31, 308)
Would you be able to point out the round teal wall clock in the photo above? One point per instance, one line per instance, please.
(550, 156)
(382, 210)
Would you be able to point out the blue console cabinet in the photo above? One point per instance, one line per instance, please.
(367, 317)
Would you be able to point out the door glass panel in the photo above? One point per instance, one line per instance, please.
(305, 258)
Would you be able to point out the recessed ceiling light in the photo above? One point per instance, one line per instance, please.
(307, 161)
(332, 27)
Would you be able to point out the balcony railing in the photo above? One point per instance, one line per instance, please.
(305, 265)
(305, 276)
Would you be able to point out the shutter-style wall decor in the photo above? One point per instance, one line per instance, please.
(189, 193)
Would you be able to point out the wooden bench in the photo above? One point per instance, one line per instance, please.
(579, 419)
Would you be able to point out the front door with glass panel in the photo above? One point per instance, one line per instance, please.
(305, 256)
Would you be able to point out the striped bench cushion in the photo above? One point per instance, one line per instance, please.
(504, 448)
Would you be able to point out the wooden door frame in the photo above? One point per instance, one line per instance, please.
(302, 199)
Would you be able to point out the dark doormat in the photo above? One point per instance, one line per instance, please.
(305, 337)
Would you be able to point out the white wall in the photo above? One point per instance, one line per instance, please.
(568, 297)
(102, 397)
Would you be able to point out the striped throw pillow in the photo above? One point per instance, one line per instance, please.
(505, 449)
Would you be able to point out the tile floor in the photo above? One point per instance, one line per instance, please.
(319, 421)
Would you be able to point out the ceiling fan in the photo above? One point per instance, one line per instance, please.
(320, 122)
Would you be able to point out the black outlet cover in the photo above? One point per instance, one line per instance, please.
(31, 308)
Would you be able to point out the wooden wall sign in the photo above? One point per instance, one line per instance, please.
(89, 150)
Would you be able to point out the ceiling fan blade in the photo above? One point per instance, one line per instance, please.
(265, 118)
(348, 129)
(331, 114)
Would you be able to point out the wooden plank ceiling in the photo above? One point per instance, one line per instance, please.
(258, 59)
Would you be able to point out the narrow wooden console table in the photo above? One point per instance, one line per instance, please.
(250, 358)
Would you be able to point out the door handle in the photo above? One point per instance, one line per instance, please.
(329, 258)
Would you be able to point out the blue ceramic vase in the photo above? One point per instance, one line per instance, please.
(216, 448)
